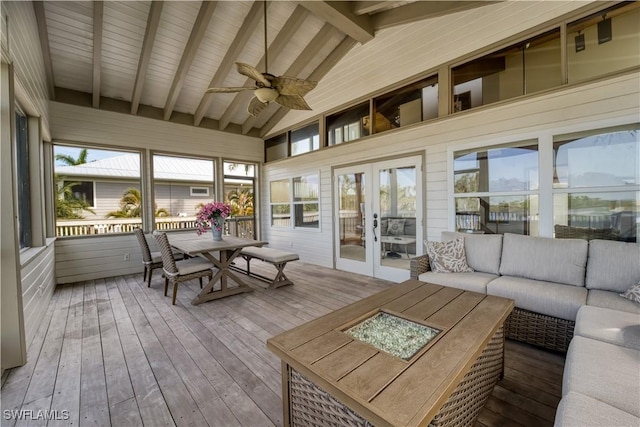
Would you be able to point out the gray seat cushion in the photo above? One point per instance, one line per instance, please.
(542, 258)
(483, 250)
(192, 265)
(275, 256)
(551, 299)
(475, 282)
(613, 266)
(612, 326)
(604, 371)
(578, 410)
(611, 300)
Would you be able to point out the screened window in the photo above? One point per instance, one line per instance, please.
(181, 186)
(306, 196)
(527, 67)
(348, 125)
(239, 190)
(279, 197)
(411, 104)
(496, 189)
(305, 139)
(23, 181)
(597, 185)
(605, 42)
(97, 191)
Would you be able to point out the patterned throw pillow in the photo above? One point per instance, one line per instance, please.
(633, 293)
(395, 227)
(448, 257)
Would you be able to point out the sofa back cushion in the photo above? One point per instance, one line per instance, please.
(613, 266)
(543, 258)
(483, 250)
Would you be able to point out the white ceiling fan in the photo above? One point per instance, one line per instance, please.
(286, 91)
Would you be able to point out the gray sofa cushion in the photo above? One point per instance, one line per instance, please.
(606, 372)
(475, 282)
(483, 250)
(551, 299)
(612, 326)
(578, 410)
(612, 300)
(613, 266)
(542, 258)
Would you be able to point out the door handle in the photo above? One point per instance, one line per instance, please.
(375, 225)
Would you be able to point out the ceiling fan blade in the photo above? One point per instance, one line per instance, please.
(227, 89)
(255, 106)
(286, 85)
(252, 73)
(295, 102)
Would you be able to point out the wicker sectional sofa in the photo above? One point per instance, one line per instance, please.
(567, 296)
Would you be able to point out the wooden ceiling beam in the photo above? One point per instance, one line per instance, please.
(368, 7)
(153, 21)
(324, 36)
(339, 14)
(281, 40)
(43, 34)
(197, 34)
(420, 10)
(98, 20)
(239, 42)
(325, 66)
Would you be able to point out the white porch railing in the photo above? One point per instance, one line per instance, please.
(236, 226)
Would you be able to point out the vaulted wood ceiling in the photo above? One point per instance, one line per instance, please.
(156, 59)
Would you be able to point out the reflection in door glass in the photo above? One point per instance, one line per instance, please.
(352, 220)
(398, 206)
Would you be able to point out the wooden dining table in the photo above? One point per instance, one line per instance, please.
(229, 248)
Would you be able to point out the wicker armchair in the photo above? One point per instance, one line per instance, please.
(180, 271)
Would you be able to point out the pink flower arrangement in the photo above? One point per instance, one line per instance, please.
(208, 216)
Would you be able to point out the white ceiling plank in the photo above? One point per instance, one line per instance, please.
(421, 10)
(147, 46)
(242, 38)
(197, 33)
(98, 16)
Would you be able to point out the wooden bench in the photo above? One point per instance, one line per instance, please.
(273, 256)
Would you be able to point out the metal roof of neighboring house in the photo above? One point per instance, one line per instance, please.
(128, 166)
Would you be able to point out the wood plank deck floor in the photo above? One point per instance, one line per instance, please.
(114, 352)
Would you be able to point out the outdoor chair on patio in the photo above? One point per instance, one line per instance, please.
(151, 260)
(180, 271)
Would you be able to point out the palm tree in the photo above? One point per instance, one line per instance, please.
(241, 202)
(71, 161)
(131, 206)
(67, 205)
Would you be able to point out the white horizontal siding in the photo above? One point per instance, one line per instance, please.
(597, 105)
(26, 55)
(38, 283)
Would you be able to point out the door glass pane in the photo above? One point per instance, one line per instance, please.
(352, 221)
(398, 206)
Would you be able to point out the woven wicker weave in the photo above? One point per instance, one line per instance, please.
(538, 329)
(418, 265)
(310, 405)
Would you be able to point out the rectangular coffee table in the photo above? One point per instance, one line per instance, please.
(414, 354)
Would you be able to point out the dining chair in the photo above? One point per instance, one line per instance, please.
(180, 271)
(150, 260)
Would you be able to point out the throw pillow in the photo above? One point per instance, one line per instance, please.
(633, 293)
(448, 257)
(395, 227)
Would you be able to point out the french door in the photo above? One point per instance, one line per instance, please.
(378, 217)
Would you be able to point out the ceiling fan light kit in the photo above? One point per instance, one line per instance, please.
(286, 91)
(266, 94)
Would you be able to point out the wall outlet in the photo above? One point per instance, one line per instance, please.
(127, 257)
